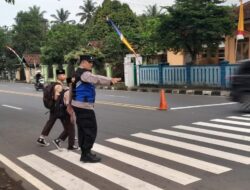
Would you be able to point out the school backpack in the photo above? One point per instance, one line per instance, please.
(60, 109)
(48, 96)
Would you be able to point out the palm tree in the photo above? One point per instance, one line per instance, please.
(61, 17)
(10, 1)
(37, 13)
(152, 11)
(88, 10)
(35, 10)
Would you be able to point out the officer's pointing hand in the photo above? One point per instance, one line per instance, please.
(115, 80)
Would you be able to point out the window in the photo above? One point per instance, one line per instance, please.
(242, 49)
(221, 54)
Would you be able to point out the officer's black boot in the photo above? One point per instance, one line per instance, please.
(87, 156)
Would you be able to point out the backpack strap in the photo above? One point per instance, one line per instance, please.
(61, 97)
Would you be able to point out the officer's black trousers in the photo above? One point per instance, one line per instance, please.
(87, 128)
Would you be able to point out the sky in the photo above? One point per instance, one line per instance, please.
(8, 11)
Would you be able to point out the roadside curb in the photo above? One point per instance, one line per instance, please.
(188, 91)
(204, 92)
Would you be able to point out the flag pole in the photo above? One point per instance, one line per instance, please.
(18, 57)
(236, 47)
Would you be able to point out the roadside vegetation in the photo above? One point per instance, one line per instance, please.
(188, 25)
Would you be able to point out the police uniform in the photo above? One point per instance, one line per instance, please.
(83, 99)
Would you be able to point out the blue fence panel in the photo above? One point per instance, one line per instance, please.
(149, 74)
(205, 75)
(230, 70)
(174, 75)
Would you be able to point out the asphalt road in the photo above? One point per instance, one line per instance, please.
(141, 147)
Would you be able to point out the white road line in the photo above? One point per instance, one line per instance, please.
(218, 126)
(24, 174)
(56, 174)
(98, 102)
(126, 105)
(200, 164)
(231, 122)
(215, 133)
(200, 106)
(223, 143)
(117, 96)
(193, 147)
(240, 118)
(246, 115)
(165, 172)
(113, 175)
(13, 107)
(21, 93)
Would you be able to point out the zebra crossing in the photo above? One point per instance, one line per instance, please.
(118, 177)
(59, 176)
(231, 133)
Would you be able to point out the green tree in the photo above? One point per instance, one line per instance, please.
(35, 11)
(29, 31)
(152, 11)
(148, 44)
(112, 47)
(61, 17)
(10, 1)
(5, 39)
(3, 43)
(193, 25)
(149, 22)
(2, 40)
(61, 40)
(87, 10)
(8, 60)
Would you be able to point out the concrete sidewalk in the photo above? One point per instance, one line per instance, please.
(189, 91)
(172, 90)
(9, 183)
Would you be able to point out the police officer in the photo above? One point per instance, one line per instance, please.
(83, 99)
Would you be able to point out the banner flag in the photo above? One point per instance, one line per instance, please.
(240, 31)
(123, 39)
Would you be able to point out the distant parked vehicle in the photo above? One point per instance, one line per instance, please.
(240, 86)
(40, 84)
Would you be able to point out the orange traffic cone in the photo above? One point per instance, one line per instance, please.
(163, 102)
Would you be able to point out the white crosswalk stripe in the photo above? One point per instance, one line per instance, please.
(213, 168)
(223, 143)
(26, 175)
(211, 132)
(240, 118)
(56, 174)
(231, 122)
(246, 115)
(165, 172)
(192, 147)
(219, 126)
(106, 172)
